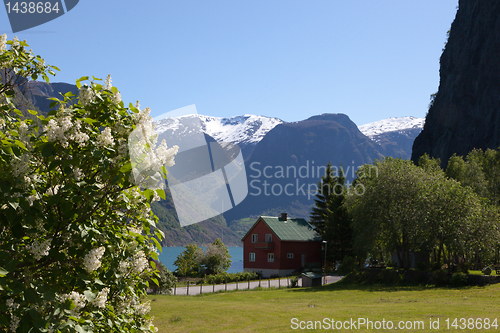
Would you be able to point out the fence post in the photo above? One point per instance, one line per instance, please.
(248, 283)
(213, 287)
(287, 282)
(236, 284)
(279, 281)
(201, 287)
(175, 288)
(259, 280)
(269, 282)
(226, 284)
(188, 289)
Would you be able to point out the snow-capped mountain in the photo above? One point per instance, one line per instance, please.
(400, 124)
(395, 135)
(245, 131)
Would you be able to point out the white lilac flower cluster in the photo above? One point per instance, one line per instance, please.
(105, 138)
(13, 306)
(3, 45)
(39, 250)
(24, 134)
(102, 298)
(20, 165)
(148, 161)
(136, 265)
(92, 260)
(78, 299)
(78, 174)
(116, 98)
(14, 323)
(107, 83)
(86, 95)
(142, 309)
(62, 129)
(139, 262)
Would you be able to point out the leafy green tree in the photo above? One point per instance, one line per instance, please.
(216, 258)
(166, 280)
(76, 229)
(411, 208)
(189, 261)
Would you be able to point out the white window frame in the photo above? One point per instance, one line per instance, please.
(252, 257)
(269, 238)
(289, 255)
(270, 257)
(255, 238)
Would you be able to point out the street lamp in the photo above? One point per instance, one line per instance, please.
(324, 267)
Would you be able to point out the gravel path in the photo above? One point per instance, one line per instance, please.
(243, 285)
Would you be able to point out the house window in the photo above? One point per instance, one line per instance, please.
(270, 257)
(252, 256)
(269, 238)
(255, 238)
(289, 255)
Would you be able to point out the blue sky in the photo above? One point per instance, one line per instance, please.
(281, 58)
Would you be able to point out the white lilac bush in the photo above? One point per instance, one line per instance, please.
(77, 235)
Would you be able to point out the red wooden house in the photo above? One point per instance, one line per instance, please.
(280, 246)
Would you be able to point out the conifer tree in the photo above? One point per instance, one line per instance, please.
(330, 217)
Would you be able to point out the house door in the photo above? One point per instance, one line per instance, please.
(303, 260)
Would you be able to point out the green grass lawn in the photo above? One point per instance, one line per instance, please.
(272, 310)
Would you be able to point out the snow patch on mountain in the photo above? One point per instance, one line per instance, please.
(399, 124)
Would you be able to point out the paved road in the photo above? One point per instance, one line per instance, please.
(243, 285)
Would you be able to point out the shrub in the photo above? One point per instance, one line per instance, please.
(347, 266)
(464, 267)
(440, 278)
(76, 227)
(294, 282)
(230, 277)
(459, 279)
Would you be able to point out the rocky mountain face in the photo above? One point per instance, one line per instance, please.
(466, 111)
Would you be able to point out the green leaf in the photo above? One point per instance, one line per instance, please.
(97, 281)
(155, 281)
(18, 112)
(48, 149)
(3, 272)
(89, 295)
(79, 329)
(158, 245)
(20, 144)
(33, 112)
(161, 193)
(127, 167)
(148, 194)
(90, 121)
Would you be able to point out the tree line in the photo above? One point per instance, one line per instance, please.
(448, 216)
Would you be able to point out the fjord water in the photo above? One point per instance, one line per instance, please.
(169, 255)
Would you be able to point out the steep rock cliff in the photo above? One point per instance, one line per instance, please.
(466, 111)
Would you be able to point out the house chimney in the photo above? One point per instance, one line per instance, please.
(283, 216)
